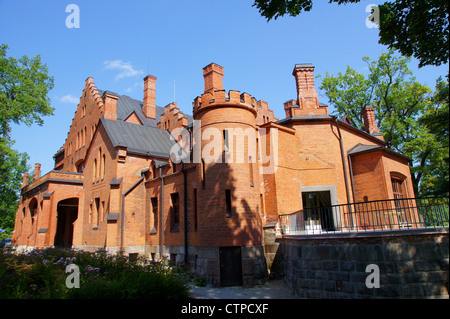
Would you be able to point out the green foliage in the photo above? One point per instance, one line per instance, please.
(12, 166)
(417, 28)
(400, 102)
(436, 120)
(40, 274)
(273, 9)
(24, 85)
(200, 281)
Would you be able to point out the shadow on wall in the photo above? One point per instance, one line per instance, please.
(229, 207)
(229, 220)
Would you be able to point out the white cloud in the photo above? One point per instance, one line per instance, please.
(125, 69)
(135, 86)
(69, 98)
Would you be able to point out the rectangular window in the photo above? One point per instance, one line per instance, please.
(399, 195)
(397, 187)
(250, 169)
(102, 211)
(228, 203)
(154, 201)
(175, 214)
(225, 141)
(261, 198)
(203, 174)
(96, 211)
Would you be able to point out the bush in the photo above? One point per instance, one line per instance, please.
(41, 274)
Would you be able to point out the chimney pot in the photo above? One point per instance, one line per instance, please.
(149, 107)
(370, 124)
(307, 98)
(37, 171)
(213, 75)
(25, 179)
(110, 104)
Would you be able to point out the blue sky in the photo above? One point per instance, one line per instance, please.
(119, 42)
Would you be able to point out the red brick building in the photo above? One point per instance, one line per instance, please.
(117, 184)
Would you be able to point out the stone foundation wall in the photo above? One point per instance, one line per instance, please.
(411, 264)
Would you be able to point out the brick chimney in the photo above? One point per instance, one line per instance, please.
(110, 104)
(149, 107)
(370, 124)
(37, 171)
(213, 75)
(307, 98)
(25, 179)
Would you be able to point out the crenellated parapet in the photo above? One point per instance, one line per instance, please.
(215, 96)
(222, 98)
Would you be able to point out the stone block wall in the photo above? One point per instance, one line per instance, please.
(411, 265)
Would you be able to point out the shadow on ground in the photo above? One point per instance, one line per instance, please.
(273, 289)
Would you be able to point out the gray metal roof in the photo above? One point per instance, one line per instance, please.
(361, 148)
(138, 139)
(127, 105)
(302, 117)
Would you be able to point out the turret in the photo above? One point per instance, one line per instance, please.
(227, 164)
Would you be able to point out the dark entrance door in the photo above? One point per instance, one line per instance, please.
(317, 208)
(67, 215)
(230, 266)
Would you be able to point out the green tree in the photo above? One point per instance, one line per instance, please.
(418, 28)
(12, 166)
(436, 119)
(400, 102)
(24, 86)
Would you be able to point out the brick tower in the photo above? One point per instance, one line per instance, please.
(228, 197)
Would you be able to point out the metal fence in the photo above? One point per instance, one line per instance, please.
(381, 215)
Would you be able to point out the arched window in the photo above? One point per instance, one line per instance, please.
(103, 165)
(94, 171)
(100, 164)
(33, 207)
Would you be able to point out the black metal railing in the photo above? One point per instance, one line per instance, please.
(381, 215)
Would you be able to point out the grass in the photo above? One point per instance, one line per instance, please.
(41, 274)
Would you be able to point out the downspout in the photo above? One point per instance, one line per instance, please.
(344, 163)
(161, 221)
(122, 213)
(351, 178)
(345, 169)
(186, 246)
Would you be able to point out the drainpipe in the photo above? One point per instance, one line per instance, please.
(345, 168)
(122, 213)
(186, 246)
(161, 228)
(344, 163)
(184, 171)
(352, 181)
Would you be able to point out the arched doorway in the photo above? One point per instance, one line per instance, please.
(67, 215)
(33, 207)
